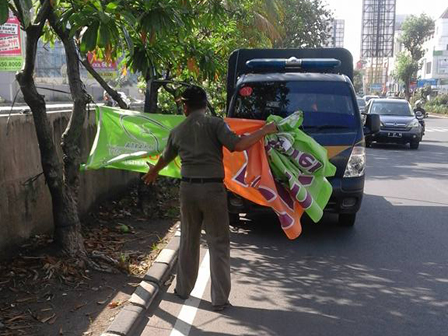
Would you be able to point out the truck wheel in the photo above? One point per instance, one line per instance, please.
(414, 144)
(347, 219)
(234, 218)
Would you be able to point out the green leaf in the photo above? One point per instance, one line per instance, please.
(131, 20)
(128, 41)
(26, 4)
(111, 6)
(89, 38)
(104, 36)
(103, 17)
(4, 11)
(26, 7)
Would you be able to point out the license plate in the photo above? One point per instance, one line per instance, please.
(394, 135)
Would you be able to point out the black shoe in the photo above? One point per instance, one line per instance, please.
(221, 307)
(180, 296)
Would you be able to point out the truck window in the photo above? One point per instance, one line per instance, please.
(258, 100)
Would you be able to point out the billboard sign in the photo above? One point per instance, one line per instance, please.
(422, 82)
(378, 28)
(10, 45)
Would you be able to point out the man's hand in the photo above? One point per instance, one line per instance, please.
(249, 140)
(270, 128)
(151, 175)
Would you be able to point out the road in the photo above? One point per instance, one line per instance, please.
(386, 276)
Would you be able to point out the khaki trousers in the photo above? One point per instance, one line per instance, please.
(204, 204)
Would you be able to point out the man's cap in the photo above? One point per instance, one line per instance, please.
(194, 94)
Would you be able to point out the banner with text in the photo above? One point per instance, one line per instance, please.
(288, 181)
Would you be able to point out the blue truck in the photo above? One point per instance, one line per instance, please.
(261, 82)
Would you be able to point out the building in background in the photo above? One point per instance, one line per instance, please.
(434, 70)
(337, 31)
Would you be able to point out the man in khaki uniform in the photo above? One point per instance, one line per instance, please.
(198, 140)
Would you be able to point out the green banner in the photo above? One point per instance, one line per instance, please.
(129, 140)
(11, 63)
(300, 164)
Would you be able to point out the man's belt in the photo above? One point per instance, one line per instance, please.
(202, 179)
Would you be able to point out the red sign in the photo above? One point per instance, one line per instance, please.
(10, 43)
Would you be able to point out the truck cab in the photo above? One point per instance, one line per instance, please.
(318, 82)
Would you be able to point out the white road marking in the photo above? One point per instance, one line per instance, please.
(189, 309)
(436, 129)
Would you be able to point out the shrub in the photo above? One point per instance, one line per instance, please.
(442, 109)
(439, 100)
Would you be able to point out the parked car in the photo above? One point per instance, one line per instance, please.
(368, 97)
(399, 124)
(361, 104)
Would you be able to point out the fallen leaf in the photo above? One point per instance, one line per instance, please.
(80, 305)
(45, 320)
(26, 299)
(20, 317)
(114, 304)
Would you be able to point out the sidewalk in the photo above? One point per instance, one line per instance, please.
(267, 285)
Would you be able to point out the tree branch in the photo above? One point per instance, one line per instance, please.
(113, 93)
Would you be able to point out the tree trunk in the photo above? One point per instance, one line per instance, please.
(64, 208)
(407, 86)
(68, 230)
(151, 96)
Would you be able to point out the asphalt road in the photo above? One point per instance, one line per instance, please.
(386, 276)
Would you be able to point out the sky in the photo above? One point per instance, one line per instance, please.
(351, 12)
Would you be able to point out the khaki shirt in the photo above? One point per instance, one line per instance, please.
(198, 140)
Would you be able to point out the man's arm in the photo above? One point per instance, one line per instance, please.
(248, 141)
(153, 171)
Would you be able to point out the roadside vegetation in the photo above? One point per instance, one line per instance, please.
(416, 29)
(438, 104)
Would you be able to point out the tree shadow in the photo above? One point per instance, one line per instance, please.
(387, 275)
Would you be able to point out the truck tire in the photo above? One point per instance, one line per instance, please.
(234, 218)
(347, 219)
(414, 144)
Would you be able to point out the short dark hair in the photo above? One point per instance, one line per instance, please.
(195, 97)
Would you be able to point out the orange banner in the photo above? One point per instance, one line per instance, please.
(248, 175)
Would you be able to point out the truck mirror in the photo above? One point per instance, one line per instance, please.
(372, 125)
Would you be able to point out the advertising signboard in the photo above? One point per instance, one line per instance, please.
(10, 45)
(108, 70)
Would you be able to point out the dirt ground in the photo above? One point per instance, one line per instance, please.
(41, 294)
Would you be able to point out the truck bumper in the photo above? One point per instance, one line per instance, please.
(345, 199)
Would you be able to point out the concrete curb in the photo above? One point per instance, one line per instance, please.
(438, 115)
(145, 293)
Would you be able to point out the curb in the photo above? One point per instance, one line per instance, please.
(438, 115)
(148, 289)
